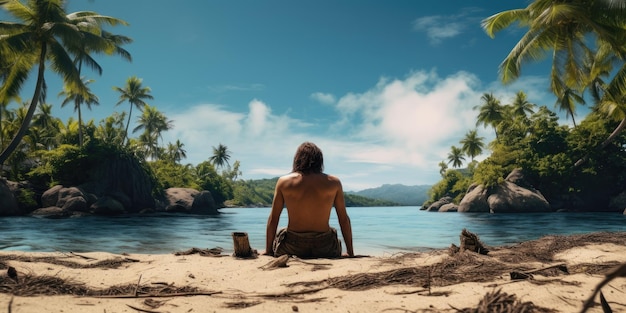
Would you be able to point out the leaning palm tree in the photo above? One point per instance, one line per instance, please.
(473, 145)
(79, 98)
(135, 94)
(491, 112)
(221, 155)
(45, 34)
(570, 31)
(455, 156)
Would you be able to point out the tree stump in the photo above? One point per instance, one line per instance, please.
(242, 245)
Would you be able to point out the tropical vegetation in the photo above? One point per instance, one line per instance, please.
(586, 41)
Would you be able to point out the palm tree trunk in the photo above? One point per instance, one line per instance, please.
(31, 109)
(80, 124)
(608, 140)
(130, 112)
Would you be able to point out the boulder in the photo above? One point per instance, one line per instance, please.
(107, 205)
(508, 197)
(184, 200)
(8, 203)
(434, 207)
(511, 198)
(50, 197)
(75, 204)
(475, 200)
(450, 207)
(204, 203)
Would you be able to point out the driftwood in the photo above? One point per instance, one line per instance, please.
(529, 274)
(214, 252)
(281, 261)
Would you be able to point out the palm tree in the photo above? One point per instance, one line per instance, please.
(46, 125)
(111, 129)
(443, 167)
(135, 94)
(571, 30)
(46, 34)
(491, 112)
(221, 155)
(566, 101)
(456, 157)
(561, 27)
(176, 152)
(521, 107)
(153, 123)
(473, 145)
(78, 99)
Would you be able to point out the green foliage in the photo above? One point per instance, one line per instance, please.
(254, 192)
(454, 184)
(208, 179)
(169, 174)
(353, 200)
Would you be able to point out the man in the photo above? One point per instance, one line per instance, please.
(309, 196)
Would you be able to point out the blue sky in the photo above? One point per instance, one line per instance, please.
(385, 88)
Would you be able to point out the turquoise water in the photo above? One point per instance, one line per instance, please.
(376, 231)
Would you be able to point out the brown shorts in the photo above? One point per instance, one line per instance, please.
(307, 245)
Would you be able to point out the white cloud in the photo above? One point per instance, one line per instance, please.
(441, 27)
(395, 132)
(324, 98)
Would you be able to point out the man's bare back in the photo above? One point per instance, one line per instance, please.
(309, 198)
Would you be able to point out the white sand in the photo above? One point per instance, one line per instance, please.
(237, 281)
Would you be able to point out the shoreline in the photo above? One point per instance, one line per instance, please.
(564, 270)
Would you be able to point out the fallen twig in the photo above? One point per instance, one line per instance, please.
(141, 310)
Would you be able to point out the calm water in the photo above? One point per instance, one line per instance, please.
(376, 231)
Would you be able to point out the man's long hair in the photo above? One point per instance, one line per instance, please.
(308, 159)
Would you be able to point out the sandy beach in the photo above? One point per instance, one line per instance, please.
(552, 274)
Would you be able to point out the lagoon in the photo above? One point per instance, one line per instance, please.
(376, 230)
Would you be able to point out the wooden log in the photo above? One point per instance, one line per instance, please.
(242, 245)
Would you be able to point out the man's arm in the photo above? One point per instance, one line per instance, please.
(272, 221)
(344, 219)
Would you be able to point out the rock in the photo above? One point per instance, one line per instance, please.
(184, 200)
(51, 196)
(66, 194)
(507, 197)
(51, 212)
(8, 203)
(450, 207)
(75, 204)
(107, 206)
(434, 207)
(511, 198)
(204, 203)
(475, 200)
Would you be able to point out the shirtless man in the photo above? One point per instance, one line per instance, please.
(309, 196)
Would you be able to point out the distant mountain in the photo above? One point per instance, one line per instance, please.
(398, 193)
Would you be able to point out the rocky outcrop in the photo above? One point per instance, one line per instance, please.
(450, 207)
(189, 200)
(514, 195)
(434, 207)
